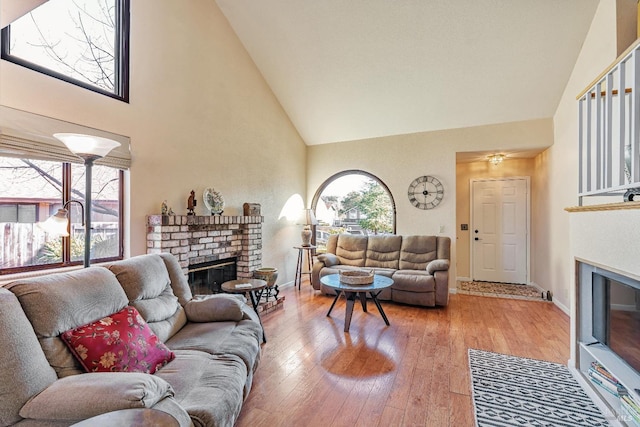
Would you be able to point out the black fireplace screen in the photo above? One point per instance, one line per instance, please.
(207, 277)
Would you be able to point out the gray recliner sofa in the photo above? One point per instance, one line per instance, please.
(418, 265)
(215, 339)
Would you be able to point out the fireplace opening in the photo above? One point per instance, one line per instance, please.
(208, 277)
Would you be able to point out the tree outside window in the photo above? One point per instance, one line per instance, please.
(80, 41)
(355, 203)
(32, 190)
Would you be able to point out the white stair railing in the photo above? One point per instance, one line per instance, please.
(609, 130)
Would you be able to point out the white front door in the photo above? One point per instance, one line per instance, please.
(499, 230)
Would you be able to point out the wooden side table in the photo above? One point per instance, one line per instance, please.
(255, 293)
(299, 267)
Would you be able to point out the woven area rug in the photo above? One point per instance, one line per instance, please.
(500, 290)
(513, 391)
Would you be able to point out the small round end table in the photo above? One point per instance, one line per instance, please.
(253, 287)
(300, 265)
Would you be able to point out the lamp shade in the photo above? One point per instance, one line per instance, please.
(308, 217)
(80, 144)
(57, 224)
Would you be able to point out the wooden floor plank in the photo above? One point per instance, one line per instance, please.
(413, 372)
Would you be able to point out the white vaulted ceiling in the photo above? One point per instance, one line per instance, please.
(10, 10)
(353, 69)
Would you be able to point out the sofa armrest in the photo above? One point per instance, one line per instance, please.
(329, 260)
(215, 308)
(82, 396)
(438, 265)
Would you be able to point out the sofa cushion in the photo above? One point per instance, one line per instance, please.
(329, 260)
(417, 251)
(241, 339)
(209, 387)
(383, 251)
(438, 265)
(84, 396)
(145, 280)
(214, 308)
(352, 250)
(25, 370)
(332, 243)
(413, 281)
(61, 301)
(121, 342)
(177, 277)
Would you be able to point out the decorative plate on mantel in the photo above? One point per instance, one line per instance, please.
(214, 201)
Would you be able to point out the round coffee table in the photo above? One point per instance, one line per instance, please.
(253, 287)
(352, 292)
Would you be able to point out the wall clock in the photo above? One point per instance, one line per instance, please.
(425, 192)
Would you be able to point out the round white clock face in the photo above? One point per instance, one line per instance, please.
(425, 192)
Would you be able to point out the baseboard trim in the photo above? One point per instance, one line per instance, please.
(535, 285)
(558, 304)
(463, 279)
(286, 285)
(562, 307)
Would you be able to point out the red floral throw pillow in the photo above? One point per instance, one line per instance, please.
(122, 342)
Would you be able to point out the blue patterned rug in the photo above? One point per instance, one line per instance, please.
(513, 391)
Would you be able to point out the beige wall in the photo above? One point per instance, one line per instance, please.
(557, 177)
(397, 160)
(200, 116)
(465, 172)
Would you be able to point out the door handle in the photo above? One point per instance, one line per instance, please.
(477, 238)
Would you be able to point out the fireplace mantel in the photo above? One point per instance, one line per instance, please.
(196, 239)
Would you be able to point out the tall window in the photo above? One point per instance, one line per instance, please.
(32, 190)
(354, 202)
(84, 42)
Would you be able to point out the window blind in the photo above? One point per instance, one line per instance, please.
(28, 135)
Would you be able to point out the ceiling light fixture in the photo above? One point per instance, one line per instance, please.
(496, 159)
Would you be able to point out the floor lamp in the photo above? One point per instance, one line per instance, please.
(89, 148)
(58, 223)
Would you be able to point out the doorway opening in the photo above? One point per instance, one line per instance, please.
(500, 230)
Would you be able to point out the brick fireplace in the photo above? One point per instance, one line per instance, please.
(204, 239)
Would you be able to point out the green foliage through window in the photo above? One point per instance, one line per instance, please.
(354, 203)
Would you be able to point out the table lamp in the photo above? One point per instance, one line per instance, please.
(308, 219)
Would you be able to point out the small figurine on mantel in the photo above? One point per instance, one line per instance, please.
(166, 210)
(191, 203)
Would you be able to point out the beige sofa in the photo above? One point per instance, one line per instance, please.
(215, 339)
(418, 265)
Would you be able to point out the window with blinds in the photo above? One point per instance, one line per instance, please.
(38, 175)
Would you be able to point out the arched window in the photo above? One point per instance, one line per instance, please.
(353, 201)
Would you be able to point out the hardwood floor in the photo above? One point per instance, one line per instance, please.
(412, 373)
